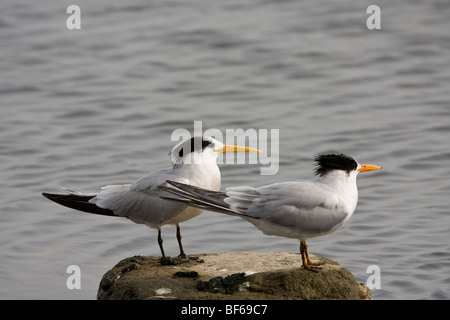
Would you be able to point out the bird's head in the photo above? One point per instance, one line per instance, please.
(201, 150)
(327, 163)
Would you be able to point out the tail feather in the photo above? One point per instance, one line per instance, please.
(78, 202)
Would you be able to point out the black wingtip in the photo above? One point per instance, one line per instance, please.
(78, 202)
(51, 196)
(47, 195)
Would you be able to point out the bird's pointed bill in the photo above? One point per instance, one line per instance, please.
(227, 148)
(369, 167)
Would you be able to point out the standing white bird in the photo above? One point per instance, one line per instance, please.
(296, 209)
(193, 163)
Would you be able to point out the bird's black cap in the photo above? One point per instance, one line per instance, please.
(327, 162)
(186, 147)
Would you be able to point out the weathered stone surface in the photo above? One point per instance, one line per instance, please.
(219, 276)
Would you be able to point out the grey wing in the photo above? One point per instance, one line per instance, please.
(289, 209)
(248, 201)
(141, 200)
(261, 201)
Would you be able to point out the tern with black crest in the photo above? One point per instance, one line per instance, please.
(295, 209)
(193, 163)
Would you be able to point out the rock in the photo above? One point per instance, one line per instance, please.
(230, 276)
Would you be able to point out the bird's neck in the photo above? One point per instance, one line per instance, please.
(344, 185)
(203, 175)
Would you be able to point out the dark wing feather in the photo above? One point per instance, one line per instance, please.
(78, 202)
(198, 197)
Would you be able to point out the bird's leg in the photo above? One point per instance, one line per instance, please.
(302, 253)
(182, 254)
(307, 263)
(308, 260)
(160, 242)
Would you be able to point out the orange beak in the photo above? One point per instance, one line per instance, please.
(369, 167)
(233, 148)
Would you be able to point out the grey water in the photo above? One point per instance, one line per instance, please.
(85, 108)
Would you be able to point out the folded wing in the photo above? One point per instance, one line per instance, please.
(291, 209)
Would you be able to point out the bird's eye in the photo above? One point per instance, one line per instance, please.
(205, 143)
